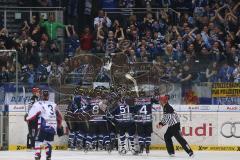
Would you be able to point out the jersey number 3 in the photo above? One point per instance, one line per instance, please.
(51, 109)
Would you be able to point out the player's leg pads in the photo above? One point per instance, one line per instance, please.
(122, 139)
(100, 139)
(89, 139)
(131, 139)
(80, 139)
(106, 139)
(148, 140)
(141, 140)
(48, 149)
(71, 140)
(37, 149)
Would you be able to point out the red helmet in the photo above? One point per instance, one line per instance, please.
(35, 90)
(163, 98)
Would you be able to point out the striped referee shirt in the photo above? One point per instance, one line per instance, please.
(170, 117)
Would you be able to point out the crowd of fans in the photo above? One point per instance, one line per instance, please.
(201, 44)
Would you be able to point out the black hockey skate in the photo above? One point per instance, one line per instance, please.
(147, 149)
(48, 158)
(134, 152)
(122, 151)
(141, 149)
(37, 157)
(87, 148)
(108, 147)
(80, 145)
(100, 146)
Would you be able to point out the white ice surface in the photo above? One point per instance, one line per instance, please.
(102, 155)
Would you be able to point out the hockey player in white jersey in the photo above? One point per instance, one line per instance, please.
(49, 123)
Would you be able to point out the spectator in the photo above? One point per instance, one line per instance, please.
(236, 74)
(212, 72)
(233, 56)
(86, 39)
(226, 73)
(43, 71)
(72, 41)
(111, 44)
(217, 52)
(51, 27)
(185, 76)
(132, 57)
(54, 54)
(43, 50)
(126, 10)
(102, 20)
(4, 77)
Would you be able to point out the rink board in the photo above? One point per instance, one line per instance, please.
(202, 126)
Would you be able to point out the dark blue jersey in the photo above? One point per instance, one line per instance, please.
(143, 110)
(95, 110)
(78, 104)
(123, 112)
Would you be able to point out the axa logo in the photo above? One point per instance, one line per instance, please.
(205, 129)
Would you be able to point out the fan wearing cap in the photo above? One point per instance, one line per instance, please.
(32, 125)
(171, 119)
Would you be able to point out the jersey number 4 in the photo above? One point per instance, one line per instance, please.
(143, 110)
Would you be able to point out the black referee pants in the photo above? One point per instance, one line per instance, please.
(176, 132)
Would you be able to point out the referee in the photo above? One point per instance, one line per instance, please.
(171, 119)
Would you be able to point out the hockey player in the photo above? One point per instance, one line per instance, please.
(49, 123)
(143, 120)
(32, 125)
(123, 114)
(98, 136)
(76, 122)
(82, 123)
(171, 119)
(71, 120)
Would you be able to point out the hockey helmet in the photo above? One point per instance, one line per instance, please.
(163, 98)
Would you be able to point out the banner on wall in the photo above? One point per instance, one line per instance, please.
(226, 90)
(199, 128)
(225, 100)
(12, 98)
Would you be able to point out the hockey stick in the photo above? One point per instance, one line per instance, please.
(128, 76)
(158, 136)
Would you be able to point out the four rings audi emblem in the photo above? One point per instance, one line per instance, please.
(230, 129)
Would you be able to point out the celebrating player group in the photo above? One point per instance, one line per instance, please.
(102, 120)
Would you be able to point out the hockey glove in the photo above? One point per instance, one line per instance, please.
(60, 131)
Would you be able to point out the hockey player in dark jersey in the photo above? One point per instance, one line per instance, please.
(143, 120)
(76, 121)
(32, 125)
(77, 124)
(98, 136)
(123, 114)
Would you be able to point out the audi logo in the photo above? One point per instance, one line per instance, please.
(232, 128)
